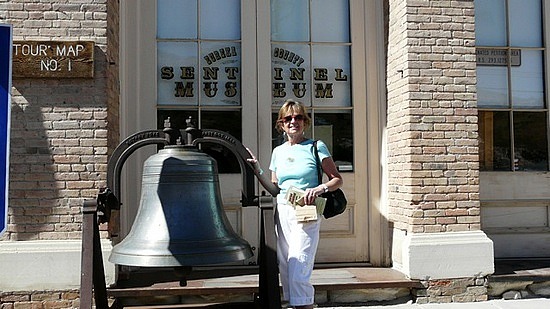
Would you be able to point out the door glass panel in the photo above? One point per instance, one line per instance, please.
(227, 121)
(220, 64)
(291, 72)
(492, 86)
(331, 75)
(220, 20)
(525, 23)
(490, 22)
(177, 19)
(335, 128)
(289, 20)
(220, 73)
(530, 142)
(328, 18)
(527, 81)
(177, 80)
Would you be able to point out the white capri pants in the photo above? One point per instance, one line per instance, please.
(296, 247)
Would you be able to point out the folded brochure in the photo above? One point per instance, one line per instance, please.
(295, 197)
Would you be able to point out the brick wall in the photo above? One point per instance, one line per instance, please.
(59, 126)
(432, 116)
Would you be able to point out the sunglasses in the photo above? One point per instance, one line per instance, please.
(297, 118)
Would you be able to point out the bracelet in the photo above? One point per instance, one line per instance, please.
(325, 187)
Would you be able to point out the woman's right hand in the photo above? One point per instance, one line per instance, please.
(254, 161)
(252, 158)
(255, 164)
(270, 186)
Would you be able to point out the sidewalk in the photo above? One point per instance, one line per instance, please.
(534, 303)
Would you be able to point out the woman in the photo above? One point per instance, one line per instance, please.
(293, 163)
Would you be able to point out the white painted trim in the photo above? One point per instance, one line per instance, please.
(375, 113)
(445, 255)
(46, 265)
(138, 90)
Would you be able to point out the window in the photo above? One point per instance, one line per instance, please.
(511, 91)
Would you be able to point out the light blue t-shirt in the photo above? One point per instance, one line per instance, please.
(295, 165)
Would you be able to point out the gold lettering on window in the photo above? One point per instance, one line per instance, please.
(293, 76)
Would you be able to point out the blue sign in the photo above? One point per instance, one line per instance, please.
(5, 102)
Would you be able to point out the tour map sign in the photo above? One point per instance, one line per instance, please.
(50, 59)
(5, 88)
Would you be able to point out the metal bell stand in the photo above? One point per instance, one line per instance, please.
(106, 209)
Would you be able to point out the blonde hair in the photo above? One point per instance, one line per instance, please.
(291, 107)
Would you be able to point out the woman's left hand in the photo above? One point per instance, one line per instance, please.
(312, 194)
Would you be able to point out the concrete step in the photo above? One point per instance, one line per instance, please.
(333, 285)
(216, 287)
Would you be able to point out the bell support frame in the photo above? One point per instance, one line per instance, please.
(106, 207)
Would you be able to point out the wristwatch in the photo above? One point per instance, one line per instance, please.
(325, 187)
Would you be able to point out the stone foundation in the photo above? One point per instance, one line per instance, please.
(40, 299)
(452, 291)
(520, 288)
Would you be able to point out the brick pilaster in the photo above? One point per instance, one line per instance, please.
(433, 160)
(432, 116)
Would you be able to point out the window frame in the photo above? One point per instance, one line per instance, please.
(486, 158)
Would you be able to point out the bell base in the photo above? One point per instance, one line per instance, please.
(177, 260)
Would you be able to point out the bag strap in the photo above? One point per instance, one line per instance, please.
(317, 161)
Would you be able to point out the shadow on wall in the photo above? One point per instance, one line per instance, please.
(58, 153)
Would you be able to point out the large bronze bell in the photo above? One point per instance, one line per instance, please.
(180, 220)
